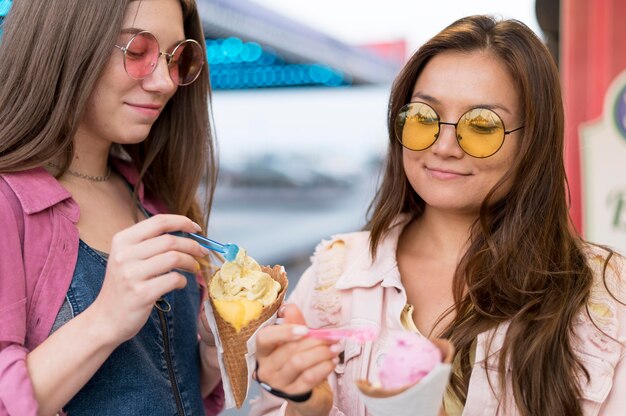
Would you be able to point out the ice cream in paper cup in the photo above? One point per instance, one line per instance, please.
(243, 298)
(413, 378)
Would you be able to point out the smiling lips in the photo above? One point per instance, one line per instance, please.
(444, 174)
(150, 110)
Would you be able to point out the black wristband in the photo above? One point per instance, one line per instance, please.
(298, 398)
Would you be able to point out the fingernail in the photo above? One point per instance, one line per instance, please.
(335, 348)
(336, 360)
(300, 330)
(281, 310)
(205, 251)
(197, 226)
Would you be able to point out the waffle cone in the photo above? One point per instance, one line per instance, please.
(234, 356)
(367, 388)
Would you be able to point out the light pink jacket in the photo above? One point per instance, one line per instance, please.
(343, 288)
(34, 278)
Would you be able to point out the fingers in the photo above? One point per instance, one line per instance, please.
(309, 360)
(165, 243)
(156, 226)
(271, 337)
(311, 377)
(156, 287)
(164, 263)
(136, 271)
(291, 314)
(156, 255)
(306, 360)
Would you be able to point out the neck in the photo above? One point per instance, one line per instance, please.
(91, 157)
(438, 234)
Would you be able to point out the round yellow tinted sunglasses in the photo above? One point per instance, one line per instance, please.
(480, 132)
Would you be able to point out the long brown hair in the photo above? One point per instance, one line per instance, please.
(524, 264)
(51, 55)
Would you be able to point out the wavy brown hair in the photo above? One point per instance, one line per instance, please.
(51, 56)
(524, 264)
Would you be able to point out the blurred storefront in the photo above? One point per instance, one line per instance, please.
(250, 46)
(593, 68)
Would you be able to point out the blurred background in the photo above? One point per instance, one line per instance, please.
(300, 91)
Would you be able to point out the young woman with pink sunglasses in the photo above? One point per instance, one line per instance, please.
(104, 142)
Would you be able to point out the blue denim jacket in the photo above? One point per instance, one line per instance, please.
(154, 373)
(38, 213)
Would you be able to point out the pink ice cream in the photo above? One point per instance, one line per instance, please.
(410, 359)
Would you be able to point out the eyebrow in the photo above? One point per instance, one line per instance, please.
(430, 98)
(131, 30)
(134, 31)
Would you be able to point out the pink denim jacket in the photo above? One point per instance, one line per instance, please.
(35, 276)
(343, 288)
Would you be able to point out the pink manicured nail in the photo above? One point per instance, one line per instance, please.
(197, 226)
(335, 348)
(300, 330)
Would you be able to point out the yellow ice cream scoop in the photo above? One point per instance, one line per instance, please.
(240, 290)
(239, 312)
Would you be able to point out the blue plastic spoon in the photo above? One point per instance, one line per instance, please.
(228, 250)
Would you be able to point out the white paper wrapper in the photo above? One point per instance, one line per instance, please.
(250, 356)
(422, 399)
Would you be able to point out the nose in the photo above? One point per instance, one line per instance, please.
(446, 144)
(160, 80)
